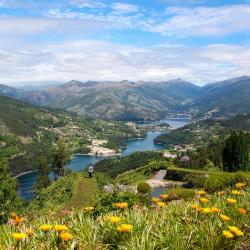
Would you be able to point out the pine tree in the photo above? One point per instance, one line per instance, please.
(43, 173)
(235, 152)
(61, 155)
(9, 200)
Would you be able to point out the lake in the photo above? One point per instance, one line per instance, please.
(78, 163)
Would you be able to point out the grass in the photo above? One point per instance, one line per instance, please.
(178, 225)
(86, 189)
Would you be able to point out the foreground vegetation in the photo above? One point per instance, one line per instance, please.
(208, 221)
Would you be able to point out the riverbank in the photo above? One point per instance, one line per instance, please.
(80, 162)
(24, 173)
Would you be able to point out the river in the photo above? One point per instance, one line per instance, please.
(78, 163)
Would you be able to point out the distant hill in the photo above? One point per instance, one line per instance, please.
(116, 100)
(27, 130)
(20, 118)
(127, 100)
(205, 130)
(226, 98)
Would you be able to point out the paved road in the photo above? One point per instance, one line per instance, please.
(160, 175)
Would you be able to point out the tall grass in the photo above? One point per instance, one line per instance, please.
(174, 226)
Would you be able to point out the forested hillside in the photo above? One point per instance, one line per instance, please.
(26, 130)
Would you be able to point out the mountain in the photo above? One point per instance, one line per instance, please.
(116, 100)
(225, 98)
(126, 100)
(12, 92)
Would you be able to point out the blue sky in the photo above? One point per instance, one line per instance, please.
(155, 40)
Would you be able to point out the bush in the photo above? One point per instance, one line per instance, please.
(194, 180)
(181, 193)
(218, 181)
(143, 188)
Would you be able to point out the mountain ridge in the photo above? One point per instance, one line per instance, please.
(142, 100)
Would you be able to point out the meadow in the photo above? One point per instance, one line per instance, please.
(218, 220)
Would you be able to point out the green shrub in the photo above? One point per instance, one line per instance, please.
(143, 188)
(181, 193)
(218, 181)
(194, 180)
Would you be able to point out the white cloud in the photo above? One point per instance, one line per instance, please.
(124, 7)
(87, 3)
(100, 60)
(204, 21)
(32, 26)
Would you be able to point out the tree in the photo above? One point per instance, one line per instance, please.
(61, 155)
(9, 200)
(43, 173)
(235, 152)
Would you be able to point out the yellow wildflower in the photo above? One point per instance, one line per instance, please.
(206, 210)
(204, 200)
(18, 220)
(19, 236)
(66, 236)
(161, 204)
(224, 217)
(121, 204)
(125, 228)
(242, 211)
(60, 228)
(228, 234)
(197, 207)
(240, 185)
(236, 192)
(46, 227)
(236, 231)
(215, 210)
(155, 200)
(201, 192)
(115, 219)
(164, 196)
(88, 209)
(231, 200)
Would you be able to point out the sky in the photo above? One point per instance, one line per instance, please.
(53, 41)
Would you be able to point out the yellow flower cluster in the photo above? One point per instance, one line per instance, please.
(231, 201)
(121, 205)
(204, 200)
(46, 227)
(164, 196)
(125, 228)
(201, 192)
(115, 219)
(233, 231)
(60, 228)
(89, 209)
(65, 236)
(224, 217)
(19, 236)
(155, 200)
(161, 204)
(236, 192)
(240, 185)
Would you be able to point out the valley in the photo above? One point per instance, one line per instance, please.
(200, 151)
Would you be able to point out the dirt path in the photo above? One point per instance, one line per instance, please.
(84, 194)
(157, 179)
(160, 175)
